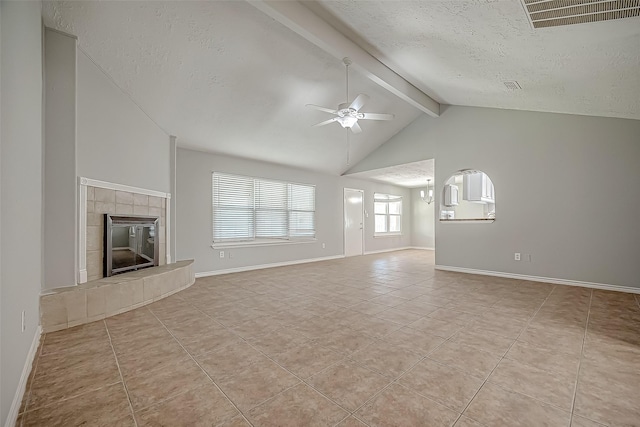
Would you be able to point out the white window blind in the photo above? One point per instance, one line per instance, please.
(387, 210)
(302, 213)
(250, 209)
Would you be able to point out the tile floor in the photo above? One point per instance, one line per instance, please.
(379, 340)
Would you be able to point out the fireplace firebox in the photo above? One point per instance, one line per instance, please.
(130, 243)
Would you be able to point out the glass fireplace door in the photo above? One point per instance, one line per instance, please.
(130, 243)
(145, 245)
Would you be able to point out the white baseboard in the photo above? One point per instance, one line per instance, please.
(404, 248)
(567, 282)
(261, 266)
(12, 417)
(422, 248)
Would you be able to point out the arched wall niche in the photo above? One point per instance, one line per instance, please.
(468, 196)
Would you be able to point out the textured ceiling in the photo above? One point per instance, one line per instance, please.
(410, 175)
(461, 51)
(224, 77)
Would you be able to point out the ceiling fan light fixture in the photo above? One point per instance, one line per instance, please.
(347, 121)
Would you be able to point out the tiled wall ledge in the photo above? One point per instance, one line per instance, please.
(63, 308)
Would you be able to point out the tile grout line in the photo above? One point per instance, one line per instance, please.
(348, 357)
(395, 381)
(349, 413)
(201, 368)
(584, 340)
(377, 339)
(124, 384)
(505, 353)
(302, 380)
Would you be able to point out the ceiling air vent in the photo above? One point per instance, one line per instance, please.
(512, 85)
(555, 13)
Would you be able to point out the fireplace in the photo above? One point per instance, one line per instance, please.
(130, 243)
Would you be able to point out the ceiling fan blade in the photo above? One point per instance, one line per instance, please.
(359, 101)
(377, 116)
(326, 110)
(326, 122)
(355, 128)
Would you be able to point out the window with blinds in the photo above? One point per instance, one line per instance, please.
(387, 211)
(255, 209)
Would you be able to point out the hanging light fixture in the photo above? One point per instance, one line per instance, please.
(429, 195)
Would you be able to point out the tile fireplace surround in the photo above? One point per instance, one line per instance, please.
(105, 200)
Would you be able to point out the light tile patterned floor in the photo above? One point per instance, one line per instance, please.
(379, 340)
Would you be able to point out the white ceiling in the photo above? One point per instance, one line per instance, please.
(410, 175)
(224, 77)
(461, 51)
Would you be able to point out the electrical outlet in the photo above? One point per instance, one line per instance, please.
(324, 246)
(516, 256)
(24, 325)
(221, 254)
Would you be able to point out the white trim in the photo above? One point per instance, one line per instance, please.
(122, 187)
(467, 221)
(82, 232)
(167, 230)
(12, 417)
(262, 266)
(422, 248)
(260, 243)
(404, 248)
(567, 282)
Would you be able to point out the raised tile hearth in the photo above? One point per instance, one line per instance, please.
(66, 307)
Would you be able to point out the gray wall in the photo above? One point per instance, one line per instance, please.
(95, 130)
(566, 190)
(423, 233)
(60, 230)
(117, 142)
(21, 189)
(193, 213)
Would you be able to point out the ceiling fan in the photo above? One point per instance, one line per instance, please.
(347, 114)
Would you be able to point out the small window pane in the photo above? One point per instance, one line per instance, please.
(380, 207)
(394, 223)
(395, 207)
(381, 224)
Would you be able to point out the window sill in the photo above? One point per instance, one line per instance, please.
(387, 235)
(254, 244)
(470, 220)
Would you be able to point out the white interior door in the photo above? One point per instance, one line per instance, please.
(353, 222)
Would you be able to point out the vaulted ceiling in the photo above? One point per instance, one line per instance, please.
(225, 77)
